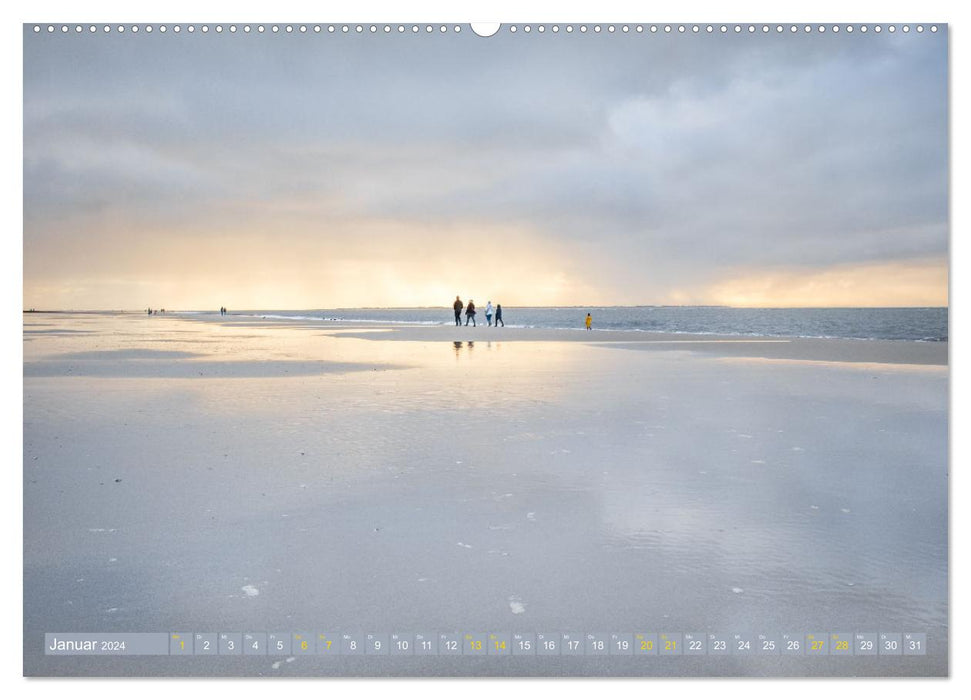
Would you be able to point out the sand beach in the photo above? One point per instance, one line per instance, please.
(208, 473)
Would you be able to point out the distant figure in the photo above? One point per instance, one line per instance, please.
(458, 311)
(589, 321)
(149, 310)
(470, 313)
(499, 316)
(489, 312)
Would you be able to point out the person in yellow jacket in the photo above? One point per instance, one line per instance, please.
(589, 321)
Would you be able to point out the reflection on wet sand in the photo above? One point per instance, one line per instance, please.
(559, 484)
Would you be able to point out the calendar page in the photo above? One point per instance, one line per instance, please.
(517, 349)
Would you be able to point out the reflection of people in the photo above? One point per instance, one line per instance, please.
(470, 313)
(589, 321)
(458, 311)
(489, 312)
(499, 316)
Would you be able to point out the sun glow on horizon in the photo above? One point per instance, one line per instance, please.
(386, 284)
(922, 283)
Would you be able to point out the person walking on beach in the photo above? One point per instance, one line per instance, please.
(489, 312)
(458, 311)
(470, 313)
(589, 321)
(499, 316)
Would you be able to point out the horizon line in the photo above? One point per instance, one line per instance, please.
(449, 308)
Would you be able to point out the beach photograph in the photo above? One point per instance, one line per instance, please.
(524, 350)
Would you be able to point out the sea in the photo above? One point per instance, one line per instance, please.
(915, 324)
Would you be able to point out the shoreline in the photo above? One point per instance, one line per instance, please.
(836, 350)
(601, 334)
(851, 350)
(273, 315)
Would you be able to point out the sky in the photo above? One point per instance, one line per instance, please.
(297, 171)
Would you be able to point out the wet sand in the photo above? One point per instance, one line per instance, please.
(226, 474)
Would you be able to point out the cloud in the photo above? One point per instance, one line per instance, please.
(628, 165)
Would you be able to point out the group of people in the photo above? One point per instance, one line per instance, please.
(153, 312)
(223, 311)
(470, 312)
